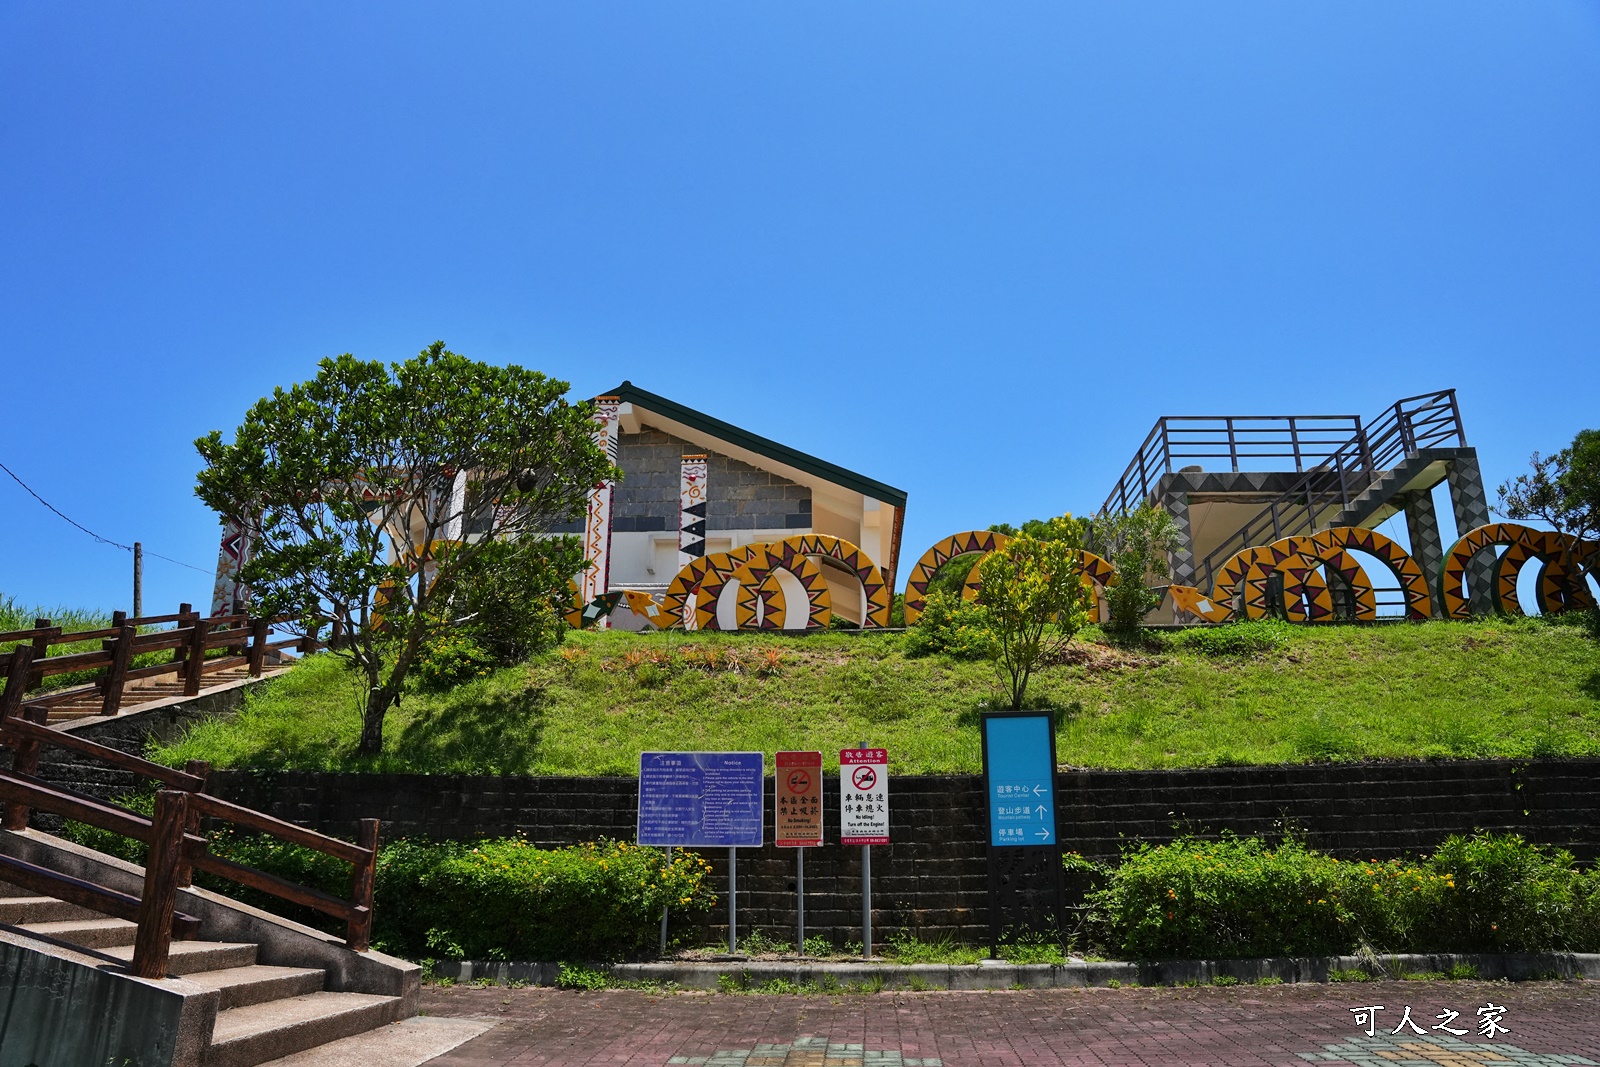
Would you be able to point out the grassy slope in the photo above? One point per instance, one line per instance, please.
(1497, 688)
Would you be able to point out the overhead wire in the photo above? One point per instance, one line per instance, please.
(103, 540)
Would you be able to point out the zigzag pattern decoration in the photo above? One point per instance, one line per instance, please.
(1306, 597)
(1556, 592)
(873, 586)
(693, 475)
(759, 590)
(960, 544)
(1453, 569)
(703, 580)
(1413, 584)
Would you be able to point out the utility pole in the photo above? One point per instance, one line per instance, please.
(138, 579)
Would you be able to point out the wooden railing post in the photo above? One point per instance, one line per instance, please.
(24, 760)
(201, 769)
(16, 681)
(117, 676)
(258, 645)
(359, 935)
(186, 617)
(154, 937)
(308, 643)
(41, 646)
(195, 659)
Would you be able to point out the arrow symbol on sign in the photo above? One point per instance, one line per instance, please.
(1043, 832)
(1038, 790)
(1042, 810)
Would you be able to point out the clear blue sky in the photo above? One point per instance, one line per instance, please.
(971, 250)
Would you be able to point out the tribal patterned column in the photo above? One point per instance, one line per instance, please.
(692, 509)
(596, 579)
(1422, 526)
(228, 596)
(1181, 559)
(1471, 506)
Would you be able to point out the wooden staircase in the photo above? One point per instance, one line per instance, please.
(264, 1013)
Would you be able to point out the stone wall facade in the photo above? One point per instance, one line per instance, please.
(740, 497)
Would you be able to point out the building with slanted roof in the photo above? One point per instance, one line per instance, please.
(693, 484)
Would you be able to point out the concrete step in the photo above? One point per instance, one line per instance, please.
(244, 1037)
(99, 933)
(256, 984)
(20, 910)
(407, 1043)
(197, 957)
(8, 890)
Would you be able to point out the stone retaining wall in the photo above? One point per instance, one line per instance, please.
(933, 879)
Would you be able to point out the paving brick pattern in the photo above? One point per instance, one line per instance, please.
(1544, 1023)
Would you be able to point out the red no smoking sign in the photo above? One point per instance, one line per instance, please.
(797, 803)
(864, 796)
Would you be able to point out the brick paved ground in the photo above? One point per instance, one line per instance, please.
(1546, 1023)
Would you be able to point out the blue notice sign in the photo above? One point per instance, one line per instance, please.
(1019, 771)
(704, 799)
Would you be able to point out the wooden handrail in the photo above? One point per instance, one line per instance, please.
(217, 808)
(41, 734)
(282, 888)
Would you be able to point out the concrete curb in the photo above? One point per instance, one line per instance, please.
(753, 974)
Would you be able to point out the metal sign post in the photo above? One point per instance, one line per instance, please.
(705, 800)
(1019, 763)
(665, 910)
(864, 817)
(797, 818)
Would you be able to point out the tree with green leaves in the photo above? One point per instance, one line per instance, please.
(372, 491)
(1563, 490)
(1033, 602)
(1135, 542)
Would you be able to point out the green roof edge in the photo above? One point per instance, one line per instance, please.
(821, 468)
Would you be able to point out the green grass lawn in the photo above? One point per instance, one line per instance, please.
(1513, 688)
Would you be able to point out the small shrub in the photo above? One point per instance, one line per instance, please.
(450, 659)
(582, 979)
(952, 627)
(1224, 980)
(1338, 975)
(1248, 638)
(1462, 972)
(504, 899)
(729, 983)
(1234, 897)
(817, 946)
(1510, 896)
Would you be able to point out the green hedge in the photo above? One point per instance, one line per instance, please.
(1242, 897)
(507, 900)
(494, 899)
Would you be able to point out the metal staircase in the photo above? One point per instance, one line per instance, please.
(1358, 481)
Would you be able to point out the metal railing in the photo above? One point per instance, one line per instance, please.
(1432, 420)
(1244, 441)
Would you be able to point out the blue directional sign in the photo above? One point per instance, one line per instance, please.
(1019, 774)
(705, 799)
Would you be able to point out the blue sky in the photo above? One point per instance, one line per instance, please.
(971, 250)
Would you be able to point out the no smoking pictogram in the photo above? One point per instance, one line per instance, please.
(864, 778)
(799, 782)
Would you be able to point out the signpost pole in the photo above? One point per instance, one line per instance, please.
(800, 896)
(664, 910)
(733, 897)
(866, 896)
